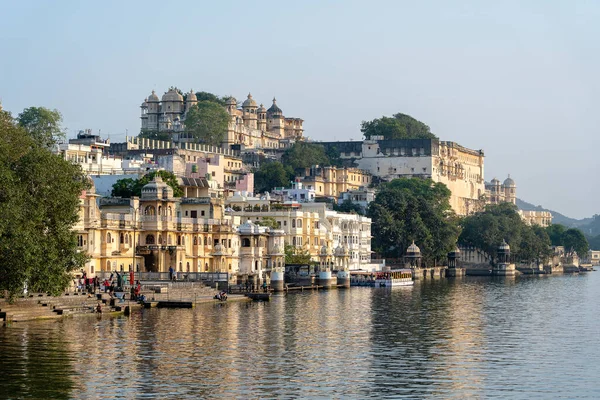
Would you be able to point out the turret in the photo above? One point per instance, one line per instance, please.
(249, 108)
(275, 120)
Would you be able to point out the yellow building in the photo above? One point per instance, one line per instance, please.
(332, 181)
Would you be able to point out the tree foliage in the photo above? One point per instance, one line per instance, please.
(400, 126)
(486, 231)
(206, 96)
(305, 155)
(39, 204)
(574, 239)
(348, 206)
(295, 255)
(272, 174)
(268, 222)
(42, 125)
(128, 187)
(413, 209)
(164, 136)
(207, 122)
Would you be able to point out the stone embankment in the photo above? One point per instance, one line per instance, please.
(41, 306)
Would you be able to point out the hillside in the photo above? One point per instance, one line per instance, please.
(558, 218)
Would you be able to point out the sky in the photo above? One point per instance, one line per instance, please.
(518, 79)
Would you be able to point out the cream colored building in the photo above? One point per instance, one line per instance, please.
(541, 218)
(252, 126)
(459, 168)
(333, 181)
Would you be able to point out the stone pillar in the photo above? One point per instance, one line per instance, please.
(277, 279)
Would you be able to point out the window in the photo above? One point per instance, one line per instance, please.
(245, 242)
(149, 239)
(108, 237)
(202, 213)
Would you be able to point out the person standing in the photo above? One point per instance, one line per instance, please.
(171, 273)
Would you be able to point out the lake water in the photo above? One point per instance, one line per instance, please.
(531, 337)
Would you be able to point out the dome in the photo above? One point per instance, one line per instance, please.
(155, 189)
(504, 246)
(276, 250)
(261, 109)
(218, 250)
(153, 97)
(250, 102)
(274, 109)
(191, 96)
(495, 181)
(231, 101)
(324, 250)
(508, 182)
(413, 250)
(172, 95)
(339, 251)
(145, 103)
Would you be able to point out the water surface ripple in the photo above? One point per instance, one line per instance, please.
(532, 337)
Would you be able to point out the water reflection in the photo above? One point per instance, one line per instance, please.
(464, 338)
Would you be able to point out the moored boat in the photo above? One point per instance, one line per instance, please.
(397, 277)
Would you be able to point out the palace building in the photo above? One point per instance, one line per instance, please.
(251, 125)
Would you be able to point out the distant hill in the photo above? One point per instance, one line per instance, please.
(557, 218)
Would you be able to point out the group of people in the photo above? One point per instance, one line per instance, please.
(221, 296)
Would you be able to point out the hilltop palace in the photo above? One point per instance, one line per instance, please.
(215, 227)
(252, 125)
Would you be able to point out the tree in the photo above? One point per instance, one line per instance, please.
(128, 187)
(295, 255)
(304, 155)
(164, 136)
(574, 239)
(486, 231)
(39, 204)
(555, 233)
(413, 209)
(272, 174)
(206, 96)
(400, 126)
(42, 125)
(348, 206)
(268, 222)
(207, 122)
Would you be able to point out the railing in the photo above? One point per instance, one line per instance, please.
(181, 276)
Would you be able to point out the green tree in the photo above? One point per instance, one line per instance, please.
(305, 155)
(413, 209)
(164, 136)
(206, 96)
(42, 125)
(207, 122)
(269, 222)
(128, 187)
(295, 255)
(575, 239)
(400, 126)
(271, 174)
(348, 206)
(555, 233)
(39, 204)
(486, 231)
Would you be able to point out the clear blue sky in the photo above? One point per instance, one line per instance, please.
(518, 79)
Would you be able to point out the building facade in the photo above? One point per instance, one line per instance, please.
(251, 125)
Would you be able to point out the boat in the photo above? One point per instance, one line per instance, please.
(396, 277)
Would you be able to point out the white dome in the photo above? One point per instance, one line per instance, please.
(153, 97)
(172, 95)
(250, 102)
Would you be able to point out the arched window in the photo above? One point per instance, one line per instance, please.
(170, 211)
(180, 266)
(122, 238)
(160, 210)
(245, 242)
(293, 223)
(168, 239)
(205, 241)
(299, 223)
(195, 240)
(150, 239)
(160, 239)
(150, 210)
(206, 267)
(183, 240)
(256, 265)
(108, 265)
(108, 237)
(126, 239)
(178, 240)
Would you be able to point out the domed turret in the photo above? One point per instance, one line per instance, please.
(191, 96)
(324, 250)
(154, 190)
(413, 250)
(249, 102)
(509, 182)
(274, 109)
(152, 98)
(172, 95)
(495, 182)
(261, 109)
(231, 101)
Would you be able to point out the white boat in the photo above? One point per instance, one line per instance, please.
(396, 277)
